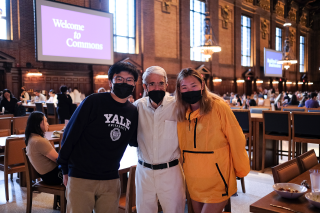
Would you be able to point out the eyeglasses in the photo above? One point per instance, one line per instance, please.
(119, 79)
(154, 85)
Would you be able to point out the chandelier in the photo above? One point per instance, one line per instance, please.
(210, 44)
(287, 54)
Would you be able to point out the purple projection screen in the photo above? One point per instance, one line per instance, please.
(271, 68)
(73, 34)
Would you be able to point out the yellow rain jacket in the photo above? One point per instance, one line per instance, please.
(213, 151)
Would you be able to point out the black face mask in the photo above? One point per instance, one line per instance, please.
(122, 90)
(191, 97)
(156, 95)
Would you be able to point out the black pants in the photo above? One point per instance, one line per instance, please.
(53, 177)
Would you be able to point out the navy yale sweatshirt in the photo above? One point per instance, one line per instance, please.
(96, 137)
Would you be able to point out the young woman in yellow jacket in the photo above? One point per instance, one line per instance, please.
(212, 144)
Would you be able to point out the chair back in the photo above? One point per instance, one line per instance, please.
(39, 107)
(267, 102)
(313, 109)
(6, 116)
(276, 123)
(285, 172)
(31, 173)
(259, 109)
(235, 107)
(13, 151)
(243, 117)
(19, 124)
(293, 109)
(307, 160)
(51, 110)
(5, 132)
(306, 125)
(56, 127)
(131, 190)
(5, 123)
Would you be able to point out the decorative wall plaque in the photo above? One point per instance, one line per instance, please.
(303, 19)
(292, 15)
(166, 6)
(225, 13)
(292, 37)
(265, 4)
(279, 9)
(264, 27)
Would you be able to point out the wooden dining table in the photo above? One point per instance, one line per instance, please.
(301, 204)
(33, 105)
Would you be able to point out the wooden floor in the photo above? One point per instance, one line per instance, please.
(257, 186)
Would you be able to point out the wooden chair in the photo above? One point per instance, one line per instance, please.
(305, 128)
(19, 124)
(244, 118)
(307, 160)
(293, 109)
(56, 127)
(267, 103)
(13, 160)
(259, 109)
(276, 126)
(5, 123)
(285, 172)
(313, 109)
(39, 107)
(51, 112)
(5, 132)
(33, 175)
(127, 202)
(7, 116)
(227, 208)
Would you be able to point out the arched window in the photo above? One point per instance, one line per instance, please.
(197, 15)
(5, 32)
(124, 25)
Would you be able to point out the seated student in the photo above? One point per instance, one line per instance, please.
(53, 97)
(303, 101)
(312, 102)
(239, 102)
(42, 155)
(293, 102)
(9, 102)
(39, 97)
(24, 95)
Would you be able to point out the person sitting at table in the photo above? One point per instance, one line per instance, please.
(24, 96)
(53, 97)
(312, 102)
(1, 97)
(94, 142)
(42, 155)
(9, 102)
(303, 101)
(293, 101)
(64, 105)
(239, 102)
(212, 144)
(39, 97)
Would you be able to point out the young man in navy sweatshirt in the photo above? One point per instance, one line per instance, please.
(94, 141)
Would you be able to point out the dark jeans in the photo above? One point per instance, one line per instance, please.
(53, 177)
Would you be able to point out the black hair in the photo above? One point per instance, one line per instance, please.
(8, 91)
(52, 91)
(63, 89)
(123, 66)
(38, 91)
(33, 125)
(294, 99)
(312, 95)
(252, 102)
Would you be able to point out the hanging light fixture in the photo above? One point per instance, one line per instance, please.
(287, 54)
(34, 72)
(210, 44)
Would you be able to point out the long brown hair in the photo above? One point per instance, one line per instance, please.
(205, 101)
